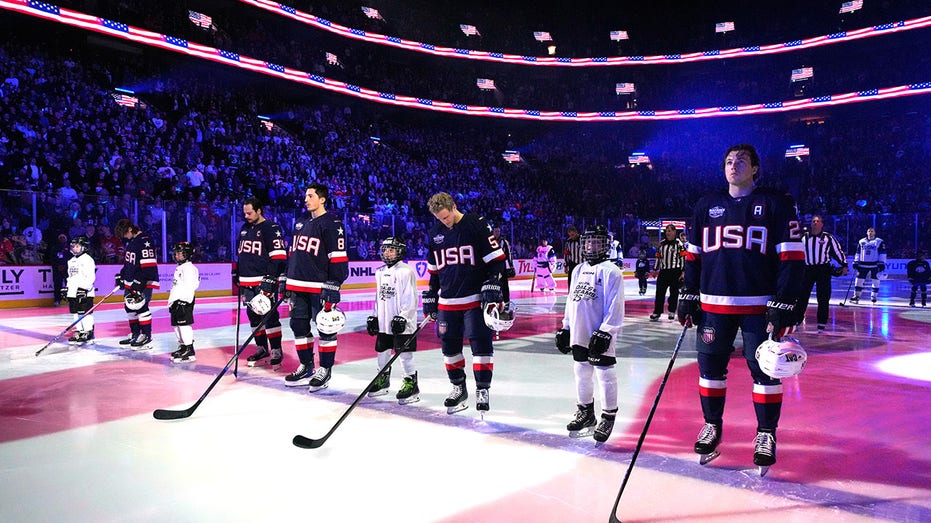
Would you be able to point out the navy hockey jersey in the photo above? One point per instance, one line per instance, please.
(744, 251)
(318, 253)
(140, 264)
(261, 252)
(461, 259)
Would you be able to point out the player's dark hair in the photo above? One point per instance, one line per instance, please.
(754, 157)
(255, 203)
(123, 226)
(321, 190)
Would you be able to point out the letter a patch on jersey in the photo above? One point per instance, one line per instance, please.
(759, 210)
(707, 335)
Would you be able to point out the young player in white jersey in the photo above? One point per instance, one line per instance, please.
(181, 302)
(79, 290)
(869, 262)
(545, 258)
(395, 320)
(590, 328)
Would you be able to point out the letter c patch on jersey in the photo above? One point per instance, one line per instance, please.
(707, 335)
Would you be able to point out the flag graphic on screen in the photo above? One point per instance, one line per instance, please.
(485, 83)
(372, 13)
(200, 19)
(625, 88)
(332, 59)
(511, 156)
(619, 35)
(849, 7)
(802, 74)
(723, 27)
(469, 30)
(542, 36)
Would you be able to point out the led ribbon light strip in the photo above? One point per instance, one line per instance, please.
(119, 30)
(756, 50)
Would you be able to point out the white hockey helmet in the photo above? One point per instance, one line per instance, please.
(330, 321)
(133, 301)
(498, 317)
(260, 304)
(781, 359)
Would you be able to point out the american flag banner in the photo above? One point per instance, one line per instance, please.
(372, 13)
(200, 19)
(625, 88)
(617, 36)
(332, 59)
(511, 156)
(797, 151)
(268, 125)
(723, 27)
(469, 30)
(849, 7)
(485, 83)
(637, 159)
(542, 36)
(802, 74)
(125, 100)
(678, 224)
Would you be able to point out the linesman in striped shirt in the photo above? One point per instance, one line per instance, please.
(669, 262)
(572, 252)
(821, 248)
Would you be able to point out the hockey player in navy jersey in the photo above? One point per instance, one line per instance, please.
(317, 266)
(261, 270)
(590, 329)
(743, 270)
(466, 265)
(139, 276)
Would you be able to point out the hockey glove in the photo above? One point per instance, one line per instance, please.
(371, 325)
(81, 294)
(562, 341)
(398, 325)
(133, 295)
(881, 267)
(329, 293)
(137, 286)
(491, 292)
(599, 343)
(689, 309)
(118, 280)
(269, 286)
(234, 274)
(429, 299)
(780, 318)
(63, 293)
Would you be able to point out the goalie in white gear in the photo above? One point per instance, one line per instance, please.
(79, 290)
(590, 328)
(185, 282)
(394, 320)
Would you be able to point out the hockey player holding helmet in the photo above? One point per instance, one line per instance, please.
(590, 328)
(181, 302)
(395, 319)
(139, 276)
(79, 290)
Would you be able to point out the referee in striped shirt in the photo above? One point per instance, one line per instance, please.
(820, 249)
(669, 262)
(572, 252)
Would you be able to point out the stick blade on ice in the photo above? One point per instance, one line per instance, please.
(307, 443)
(165, 414)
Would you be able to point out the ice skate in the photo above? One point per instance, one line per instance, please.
(380, 385)
(277, 357)
(481, 401)
(671, 316)
(260, 355)
(456, 401)
(83, 338)
(603, 431)
(184, 354)
(855, 299)
(300, 376)
(873, 299)
(707, 444)
(764, 454)
(129, 339)
(73, 340)
(320, 379)
(654, 317)
(584, 423)
(142, 342)
(410, 392)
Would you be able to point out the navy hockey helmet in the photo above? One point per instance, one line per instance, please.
(595, 244)
(79, 245)
(185, 249)
(392, 250)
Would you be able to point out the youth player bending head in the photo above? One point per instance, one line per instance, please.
(590, 328)
(181, 302)
(79, 290)
(743, 270)
(317, 266)
(138, 277)
(465, 264)
(395, 319)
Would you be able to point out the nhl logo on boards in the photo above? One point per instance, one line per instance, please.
(707, 335)
(716, 211)
(439, 238)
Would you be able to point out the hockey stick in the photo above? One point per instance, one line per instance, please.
(310, 443)
(849, 285)
(238, 314)
(75, 322)
(533, 280)
(180, 414)
(646, 426)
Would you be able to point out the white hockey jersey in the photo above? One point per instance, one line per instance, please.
(870, 253)
(81, 274)
(396, 295)
(185, 281)
(595, 302)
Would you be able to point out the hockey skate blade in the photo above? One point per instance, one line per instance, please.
(311, 390)
(704, 459)
(456, 408)
(762, 470)
(378, 393)
(407, 401)
(584, 433)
